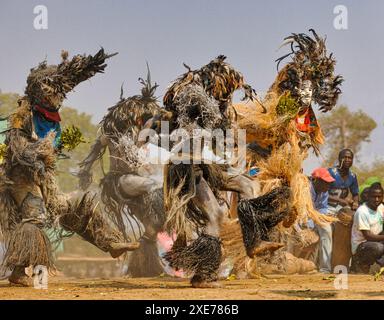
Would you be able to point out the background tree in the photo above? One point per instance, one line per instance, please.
(67, 167)
(344, 129)
(376, 169)
(8, 102)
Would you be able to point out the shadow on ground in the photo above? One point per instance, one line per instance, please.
(130, 284)
(312, 294)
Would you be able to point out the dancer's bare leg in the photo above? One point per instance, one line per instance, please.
(145, 262)
(206, 201)
(245, 186)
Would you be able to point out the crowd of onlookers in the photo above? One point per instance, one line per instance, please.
(335, 190)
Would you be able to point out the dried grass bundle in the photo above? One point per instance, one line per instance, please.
(267, 129)
(284, 167)
(28, 245)
(179, 189)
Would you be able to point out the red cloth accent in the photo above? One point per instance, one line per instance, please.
(303, 121)
(323, 174)
(306, 121)
(49, 115)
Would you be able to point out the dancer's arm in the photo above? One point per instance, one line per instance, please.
(97, 151)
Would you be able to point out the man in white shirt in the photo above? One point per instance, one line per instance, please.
(367, 232)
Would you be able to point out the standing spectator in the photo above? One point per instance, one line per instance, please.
(367, 232)
(345, 182)
(320, 183)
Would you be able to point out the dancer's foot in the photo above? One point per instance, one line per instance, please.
(19, 277)
(264, 247)
(118, 248)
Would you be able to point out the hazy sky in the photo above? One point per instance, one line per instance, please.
(169, 32)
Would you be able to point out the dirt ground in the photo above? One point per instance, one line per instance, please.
(282, 287)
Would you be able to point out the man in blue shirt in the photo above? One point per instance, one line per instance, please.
(345, 182)
(320, 183)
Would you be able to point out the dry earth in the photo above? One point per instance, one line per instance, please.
(314, 286)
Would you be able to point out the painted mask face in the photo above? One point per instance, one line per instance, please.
(305, 93)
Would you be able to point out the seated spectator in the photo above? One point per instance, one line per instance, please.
(364, 195)
(345, 182)
(320, 184)
(367, 232)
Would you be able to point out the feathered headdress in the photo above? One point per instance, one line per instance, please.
(130, 114)
(218, 78)
(48, 85)
(309, 62)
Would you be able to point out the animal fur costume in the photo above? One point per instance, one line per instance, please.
(203, 99)
(29, 197)
(127, 190)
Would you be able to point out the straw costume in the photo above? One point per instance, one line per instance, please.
(202, 99)
(128, 190)
(29, 197)
(279, 139)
